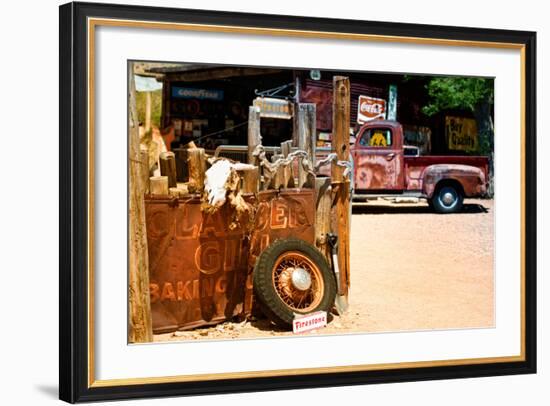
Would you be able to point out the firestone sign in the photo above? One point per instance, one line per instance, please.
(312, 321)
(370, 108)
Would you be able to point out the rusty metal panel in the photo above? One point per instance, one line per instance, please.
(289, 213)
(200, 267)
(378, 170)
(472, 179)
(197, 264)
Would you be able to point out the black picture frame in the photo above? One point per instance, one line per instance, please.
(74, 382)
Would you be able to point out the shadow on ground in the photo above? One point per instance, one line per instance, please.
(49, 390)
(468, 208)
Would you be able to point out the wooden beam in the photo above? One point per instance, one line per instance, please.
(286, 148)
(147, 111)
(305, 134)
(144, 159)
(159, 185)
(168, 167)
(251, 180)
(254, 136)
(323, 193)
(340, 145)
(217, 73)
(165, 119)
(182, 170)
(278, 180)
(139, 306)
(197, 169)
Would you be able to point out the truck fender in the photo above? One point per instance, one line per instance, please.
(471, 179)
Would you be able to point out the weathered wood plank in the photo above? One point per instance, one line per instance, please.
(254, 137)
(340, 145)
(159, 185)
(168, 167)
(305, 135)
(323, 193)
(197, 169)
(251, 180)
(139, 306)
(145, 168)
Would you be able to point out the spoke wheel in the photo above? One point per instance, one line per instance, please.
(298, 281)
(293, 277)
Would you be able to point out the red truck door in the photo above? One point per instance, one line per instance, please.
(378, 157)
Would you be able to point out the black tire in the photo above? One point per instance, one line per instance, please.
(447, 198)
(272, 283)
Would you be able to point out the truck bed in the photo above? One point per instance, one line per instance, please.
(415, 165)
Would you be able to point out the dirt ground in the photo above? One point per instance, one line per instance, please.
(411, 269)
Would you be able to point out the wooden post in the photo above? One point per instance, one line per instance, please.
(286, 148)
(254, 136)
(168, 167)
(278, 178)
(197, 169)
(251, 180)
(139, 306)
(182, 170)
(144, 159)
(159, 185)
(147, 111)
(340, 145)
(165, 114)
(305, 134)
(323, 205)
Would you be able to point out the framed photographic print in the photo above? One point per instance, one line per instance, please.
(254, 202)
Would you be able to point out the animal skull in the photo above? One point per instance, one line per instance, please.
(221, 178)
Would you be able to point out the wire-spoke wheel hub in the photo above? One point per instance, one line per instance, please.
(300, 278)
(298, 281)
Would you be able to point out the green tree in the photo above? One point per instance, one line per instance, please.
(472, 94)
(156, 107)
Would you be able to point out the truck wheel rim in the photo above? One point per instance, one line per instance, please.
(298, 281)
(447, 197)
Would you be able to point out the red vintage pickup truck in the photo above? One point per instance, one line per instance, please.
(385, 167)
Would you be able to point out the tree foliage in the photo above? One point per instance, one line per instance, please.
(458, 93)
(156, 106)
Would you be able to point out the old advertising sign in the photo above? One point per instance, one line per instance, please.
(313, 321)
(370, 108)
(193, 93)
(461, 133)
(199, 263)
(274, 108)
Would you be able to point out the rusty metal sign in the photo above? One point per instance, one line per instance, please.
(274, 108)
(200, 267)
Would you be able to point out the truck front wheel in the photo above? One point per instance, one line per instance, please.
(447, 199)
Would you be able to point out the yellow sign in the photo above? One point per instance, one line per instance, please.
(378, 139)
(461, 133)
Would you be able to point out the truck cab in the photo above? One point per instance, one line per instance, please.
(379, 158)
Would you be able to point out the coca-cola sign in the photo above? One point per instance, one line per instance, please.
(370, 108)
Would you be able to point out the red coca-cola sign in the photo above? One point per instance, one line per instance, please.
(370, 108)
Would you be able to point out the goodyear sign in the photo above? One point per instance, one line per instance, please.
(193, 93)
(461, 133)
